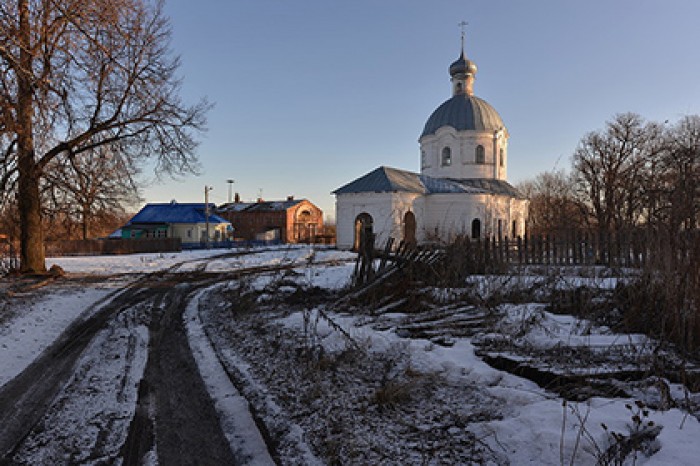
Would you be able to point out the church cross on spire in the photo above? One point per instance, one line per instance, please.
(463, 24)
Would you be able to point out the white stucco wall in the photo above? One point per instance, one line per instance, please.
(439, 217)
(463, 146)
(197, 231)
(386, 209)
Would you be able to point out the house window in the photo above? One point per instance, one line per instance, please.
(446, 157)
(480, 156)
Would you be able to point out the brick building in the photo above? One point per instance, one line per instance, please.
(290, 221)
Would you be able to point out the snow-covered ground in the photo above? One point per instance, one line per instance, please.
(531, 425)
(38, 321)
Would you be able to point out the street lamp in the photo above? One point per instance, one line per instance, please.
(206, 215)
(230, 189)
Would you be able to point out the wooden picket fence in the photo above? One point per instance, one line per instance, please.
(572, 249)
(466, 256)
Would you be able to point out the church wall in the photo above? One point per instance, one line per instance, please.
(463, 146)
(439, 217)
(451, 215)
(387, 211)
(403, 203)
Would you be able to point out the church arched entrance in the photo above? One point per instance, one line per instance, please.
(364, 232)
(409, 228)
(476, 228)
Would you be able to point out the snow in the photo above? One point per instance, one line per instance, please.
(536, 427)
(236, 420)
(184, 261)
(39, 323)
(88, 405)
(129, 263)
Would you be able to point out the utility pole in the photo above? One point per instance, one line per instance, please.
(230, 189)
(206, 214)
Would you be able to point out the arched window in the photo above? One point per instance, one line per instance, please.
(446, 157)
(303, 227)
(423, 159)
(480, 154)
(501, 158)
(476, 228)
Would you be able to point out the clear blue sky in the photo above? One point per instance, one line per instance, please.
(311, 94)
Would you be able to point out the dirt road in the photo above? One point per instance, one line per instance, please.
(119, 386)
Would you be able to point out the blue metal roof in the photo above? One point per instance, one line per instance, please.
(387, 179)
(464, 112)
(174, 212)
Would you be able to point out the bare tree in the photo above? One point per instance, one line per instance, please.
(610, 168)
(553, 207)
(84, 190)
(80, 74)
(679, 169)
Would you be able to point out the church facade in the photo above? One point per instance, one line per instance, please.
(461, 189)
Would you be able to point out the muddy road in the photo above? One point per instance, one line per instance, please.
(120, 386)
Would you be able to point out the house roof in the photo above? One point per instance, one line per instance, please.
(264, 206)
(387, 179)
(174, 212)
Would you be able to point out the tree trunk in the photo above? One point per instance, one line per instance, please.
(32, 255)
(85, 214)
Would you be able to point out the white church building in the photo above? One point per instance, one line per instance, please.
(461, 189)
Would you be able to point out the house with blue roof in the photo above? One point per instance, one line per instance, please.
(187, 221)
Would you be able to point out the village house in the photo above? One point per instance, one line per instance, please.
(288, 221)
(461, 189)
(174, 220)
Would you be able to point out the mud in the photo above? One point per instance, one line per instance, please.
(174, 417)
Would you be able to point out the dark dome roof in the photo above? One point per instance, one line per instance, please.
(462, 65)
(464, 112)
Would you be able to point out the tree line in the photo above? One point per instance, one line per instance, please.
(640, 180)
(633, 174)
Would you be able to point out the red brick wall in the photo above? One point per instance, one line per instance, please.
(248, 224)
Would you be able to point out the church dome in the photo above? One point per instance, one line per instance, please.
(464, 112)
(462, 65)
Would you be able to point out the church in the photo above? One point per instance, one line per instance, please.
(461, 189)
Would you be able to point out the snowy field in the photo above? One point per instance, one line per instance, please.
(525, 425)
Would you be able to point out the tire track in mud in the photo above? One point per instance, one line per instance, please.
(25, 399)
(174, 416)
